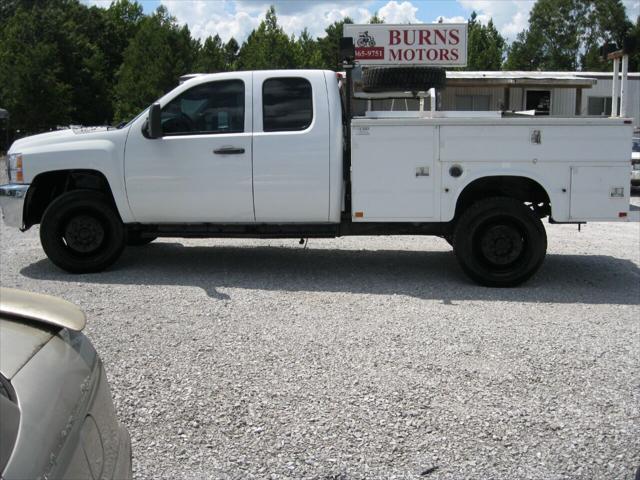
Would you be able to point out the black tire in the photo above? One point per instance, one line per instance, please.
(81, 232)
(405, 79)
(135, 239)
(500, 242)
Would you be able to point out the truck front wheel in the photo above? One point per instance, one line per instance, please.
(500, 242)
(81, 232)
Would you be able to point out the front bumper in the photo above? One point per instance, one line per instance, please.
(12, 203)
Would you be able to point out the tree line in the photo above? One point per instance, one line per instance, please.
(63, 62)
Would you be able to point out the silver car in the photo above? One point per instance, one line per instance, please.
(57, 418)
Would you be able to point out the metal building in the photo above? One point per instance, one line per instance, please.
(548, 93)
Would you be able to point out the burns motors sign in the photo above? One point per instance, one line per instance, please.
(436, 44)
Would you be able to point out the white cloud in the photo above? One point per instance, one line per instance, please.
(512, 16)
(97, 3)
(633, 8)
(238, 18)
(394, 12)
(509, 16)
(208, 18)
(456, 19)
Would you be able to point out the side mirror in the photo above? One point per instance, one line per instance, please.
(154, 125)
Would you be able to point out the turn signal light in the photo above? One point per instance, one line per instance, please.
(19, 174)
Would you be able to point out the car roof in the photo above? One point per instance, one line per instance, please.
(39, 308)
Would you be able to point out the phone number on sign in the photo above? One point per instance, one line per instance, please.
(373, 53)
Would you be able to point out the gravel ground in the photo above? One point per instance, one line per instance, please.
(367, 357)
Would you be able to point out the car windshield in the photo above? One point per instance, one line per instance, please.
(636, 144)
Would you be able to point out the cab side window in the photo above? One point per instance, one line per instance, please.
(287, 104)
(210, 108)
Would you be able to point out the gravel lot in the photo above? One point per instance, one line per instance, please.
(364, 357)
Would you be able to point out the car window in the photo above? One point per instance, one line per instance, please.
(636, 145)
(287, 104)
(215, 107)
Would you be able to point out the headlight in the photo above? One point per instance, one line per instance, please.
(15, 168)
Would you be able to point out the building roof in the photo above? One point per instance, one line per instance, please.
(527, 79)
(518, 79)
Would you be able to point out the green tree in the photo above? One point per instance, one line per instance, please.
(77, 70)
(523, 52)
(122, 20)
(566, 35)
(87, 66)
(231, 50)
(307, 52)
(486, 46)
(211, 57)
(329, 45)
(553, 39)
(267, 47)
(8, 8)
(31, 85)
(376, 19)
(634, 57)
(159, 53)
(605, 22)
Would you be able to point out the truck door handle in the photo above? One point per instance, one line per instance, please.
(229, 151)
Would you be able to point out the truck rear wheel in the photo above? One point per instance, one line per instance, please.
(81, 232)
(500, 242)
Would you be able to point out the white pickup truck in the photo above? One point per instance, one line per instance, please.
(272, 154)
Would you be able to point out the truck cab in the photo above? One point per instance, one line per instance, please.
(241, 147)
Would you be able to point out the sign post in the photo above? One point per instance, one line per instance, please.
(426, 44)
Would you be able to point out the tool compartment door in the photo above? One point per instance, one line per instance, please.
(393, 173)
(599, 193)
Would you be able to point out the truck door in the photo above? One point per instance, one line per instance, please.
(291, 147)
(200, 170)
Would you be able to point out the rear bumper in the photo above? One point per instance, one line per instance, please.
(12, 203)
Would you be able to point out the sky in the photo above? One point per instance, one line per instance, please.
(237, 18)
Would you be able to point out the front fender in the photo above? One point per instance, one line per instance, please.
(102, 155)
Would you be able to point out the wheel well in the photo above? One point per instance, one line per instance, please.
(47, 186)
(520, 188)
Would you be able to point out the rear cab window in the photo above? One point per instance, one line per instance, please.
(287, 104)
